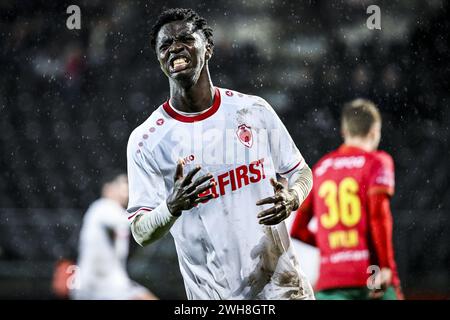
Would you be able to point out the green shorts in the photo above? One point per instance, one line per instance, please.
(353, 294)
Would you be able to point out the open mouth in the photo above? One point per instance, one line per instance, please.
(179, 64)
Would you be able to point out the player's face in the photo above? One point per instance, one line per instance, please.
(182, 52)
(122, 190)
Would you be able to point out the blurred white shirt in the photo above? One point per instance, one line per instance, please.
(103, 251)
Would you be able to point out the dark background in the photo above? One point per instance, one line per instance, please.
(70, 98)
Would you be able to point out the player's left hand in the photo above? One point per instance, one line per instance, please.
(285, 201)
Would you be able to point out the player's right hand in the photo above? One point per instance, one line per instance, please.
(185, 194)
(382, 282)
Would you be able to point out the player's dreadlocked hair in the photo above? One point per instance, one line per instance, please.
(179, 14)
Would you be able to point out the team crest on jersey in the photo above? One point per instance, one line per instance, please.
(245, 135)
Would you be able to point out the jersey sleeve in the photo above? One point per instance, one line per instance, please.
(380, 224)
(382, 175)
(285, 154)
(304, 214)
(113, 217)
(114, 220)
(146, 183)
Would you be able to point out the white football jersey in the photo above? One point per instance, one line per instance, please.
(103, 250)
(223, 252)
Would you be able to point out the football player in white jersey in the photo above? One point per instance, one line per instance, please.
(203, 167)
(103, 248)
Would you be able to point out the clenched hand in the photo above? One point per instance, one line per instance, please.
(185, 194)
(383, 280)
(285, 201)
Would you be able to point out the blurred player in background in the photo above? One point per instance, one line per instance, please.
(351, 202)
(103, 248)
(228, 247)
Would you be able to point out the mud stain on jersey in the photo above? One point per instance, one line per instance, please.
(260, 276)
(251, 116)
(275, 274)
(242, 116)
(243, 112)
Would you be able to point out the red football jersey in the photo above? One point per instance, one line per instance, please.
(343, 181)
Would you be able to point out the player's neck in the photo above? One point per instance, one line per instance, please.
(359, 143)
(195, 98)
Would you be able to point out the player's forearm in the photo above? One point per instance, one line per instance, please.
(299, 229)
(149, 227)
(381, 229)
(305, 235)
(301, 181)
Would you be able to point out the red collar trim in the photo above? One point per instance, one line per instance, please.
(180, 117)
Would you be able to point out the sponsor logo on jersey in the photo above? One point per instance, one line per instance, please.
(341, 163)
(345, 256)
(237, 178)
(188, 159)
